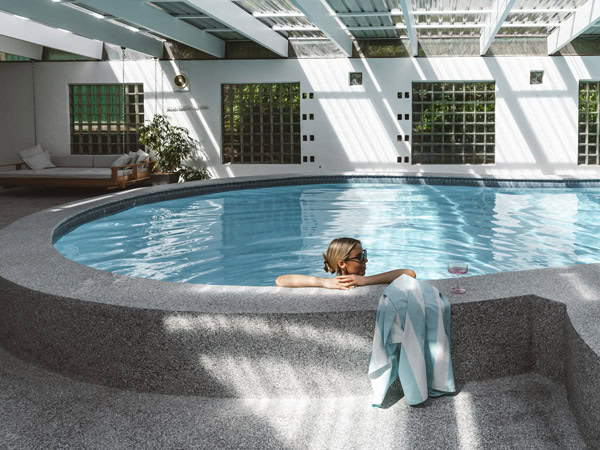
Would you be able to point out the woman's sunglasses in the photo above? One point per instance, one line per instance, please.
(360, 258)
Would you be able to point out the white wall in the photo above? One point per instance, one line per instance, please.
(355, 127)
(16, 110)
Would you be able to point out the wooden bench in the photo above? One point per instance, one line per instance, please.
(97, 177)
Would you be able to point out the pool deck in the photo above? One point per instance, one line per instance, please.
(30, 263)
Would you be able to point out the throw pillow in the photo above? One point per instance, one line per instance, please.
(29, 152)
(142, 156)
(122, 160)
(39, 161)
(133, 156)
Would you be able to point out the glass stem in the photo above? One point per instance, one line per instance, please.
(457, 286)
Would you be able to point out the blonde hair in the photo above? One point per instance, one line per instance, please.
(338, 250)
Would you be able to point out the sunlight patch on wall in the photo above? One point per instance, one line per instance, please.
(359, 130)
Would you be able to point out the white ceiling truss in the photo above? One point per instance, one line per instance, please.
(576, 24)
(206, 25)
(23, 29)
(55, 15)
(152, 19)
(494, 23)
(409, 23)
(324, 19)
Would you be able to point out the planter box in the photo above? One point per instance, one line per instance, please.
(164, 178)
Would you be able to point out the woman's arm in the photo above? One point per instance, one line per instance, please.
(342, 281)
(309, 281)
(380, 278)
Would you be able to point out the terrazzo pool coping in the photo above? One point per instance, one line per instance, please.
(30, 260)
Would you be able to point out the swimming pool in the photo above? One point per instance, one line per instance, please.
(250, 236)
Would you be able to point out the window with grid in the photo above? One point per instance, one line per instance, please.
(105, 118)
(261, 123)
(453, 122)
(588, 134)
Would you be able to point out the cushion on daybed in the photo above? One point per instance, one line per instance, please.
(65, 172)
(74, 161)
(104, 160)
(39, 161)
(121, 161)
(36, 157)
(29, 152)
(142, 156)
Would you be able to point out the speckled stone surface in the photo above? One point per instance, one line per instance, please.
(239, 341)
(44, 410)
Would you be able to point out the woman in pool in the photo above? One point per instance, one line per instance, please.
(346, 258)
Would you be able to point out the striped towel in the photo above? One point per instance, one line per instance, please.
(412, 341)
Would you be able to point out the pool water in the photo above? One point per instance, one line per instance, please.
(249, 237)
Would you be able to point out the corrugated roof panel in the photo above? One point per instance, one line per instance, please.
(177, 8)
(267, 6)
(205, 23)
(230, 36)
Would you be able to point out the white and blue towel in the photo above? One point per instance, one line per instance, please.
(412, 341)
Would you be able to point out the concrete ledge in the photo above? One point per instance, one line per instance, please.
(232, 341)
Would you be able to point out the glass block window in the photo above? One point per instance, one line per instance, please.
(588, 133)
(105, 117)
(10, 57)
(261, 123)
(453, 122)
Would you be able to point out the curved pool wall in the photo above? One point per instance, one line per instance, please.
(176, 338)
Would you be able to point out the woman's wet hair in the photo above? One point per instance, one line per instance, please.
(338, 250)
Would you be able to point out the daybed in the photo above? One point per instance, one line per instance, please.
(77, 170)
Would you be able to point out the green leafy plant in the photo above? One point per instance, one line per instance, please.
(189, 173)
(169, 144)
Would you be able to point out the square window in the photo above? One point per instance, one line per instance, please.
(399, 94)
(406, 116)
(355, 78)
(311, 95)
(311, 116)
(312, 159)
(536, 77)
(399, 116)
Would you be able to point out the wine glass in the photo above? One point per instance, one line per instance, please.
(458, 268)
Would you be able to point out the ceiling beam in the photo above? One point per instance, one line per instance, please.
(324, 19)
(500, 10)
(57, 16)
(20, 48)
(231, 15)
(409, 21)
(157, 21)
(36, 33)
(575, 25)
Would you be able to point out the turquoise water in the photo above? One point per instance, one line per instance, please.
(249, 237)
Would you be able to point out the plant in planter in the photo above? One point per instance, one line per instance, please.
(169, 145)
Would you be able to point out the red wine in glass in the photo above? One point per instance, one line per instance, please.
(458, 268)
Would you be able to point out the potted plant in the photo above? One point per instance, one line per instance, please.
(169, 146)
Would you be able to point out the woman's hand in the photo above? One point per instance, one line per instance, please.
(351, 281)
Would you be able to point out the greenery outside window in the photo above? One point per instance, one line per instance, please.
(261, 123)
(105, 118)
(588, 128)
(453, 122)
